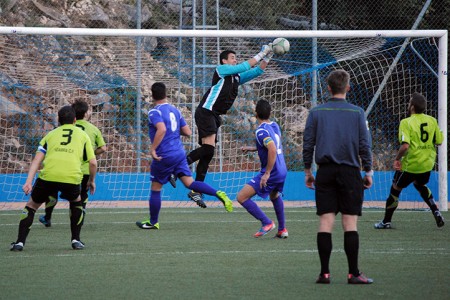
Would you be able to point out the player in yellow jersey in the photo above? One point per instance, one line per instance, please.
(98, 143)
(61, 152)
(418, 135)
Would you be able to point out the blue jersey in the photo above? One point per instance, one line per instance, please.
(224, 87)
(265, 134)
(171, 146)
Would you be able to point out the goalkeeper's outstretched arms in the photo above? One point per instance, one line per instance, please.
(258, 70)
(266, 50)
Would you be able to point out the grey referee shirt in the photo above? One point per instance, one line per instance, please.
(339, 134)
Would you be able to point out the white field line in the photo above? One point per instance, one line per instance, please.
(397, 251)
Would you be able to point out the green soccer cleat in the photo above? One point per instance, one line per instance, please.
(225, 200)
(147, 225)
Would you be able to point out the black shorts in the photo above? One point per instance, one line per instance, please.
(43, 189)
(339, 188)
(403, 179)
(207, 122)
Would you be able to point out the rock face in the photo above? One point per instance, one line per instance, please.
(103, 72)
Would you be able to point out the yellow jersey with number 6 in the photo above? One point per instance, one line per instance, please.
(422, 133)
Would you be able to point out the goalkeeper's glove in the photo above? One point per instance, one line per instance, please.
(268, 57)
(266, 49)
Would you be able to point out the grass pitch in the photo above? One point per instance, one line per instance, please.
(211, 254)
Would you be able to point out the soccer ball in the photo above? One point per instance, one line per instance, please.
(280, 46)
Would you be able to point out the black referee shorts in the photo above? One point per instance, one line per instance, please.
(207, 122)
(43, 189)
(339, 188)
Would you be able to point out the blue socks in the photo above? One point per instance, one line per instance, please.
(278, 206)
(155, 206)
(203, 188)
(256, 212)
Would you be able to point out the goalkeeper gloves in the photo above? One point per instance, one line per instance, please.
(268, 57)
(266, 49)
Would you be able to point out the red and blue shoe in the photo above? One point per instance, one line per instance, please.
(265, 229)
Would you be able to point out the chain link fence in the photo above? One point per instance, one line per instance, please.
(110, 80)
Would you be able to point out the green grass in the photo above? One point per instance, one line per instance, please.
(210, 254)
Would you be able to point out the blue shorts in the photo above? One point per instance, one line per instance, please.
(265, 191)
(160, 171)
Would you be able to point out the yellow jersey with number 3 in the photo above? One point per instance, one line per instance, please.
(422, 133)
(65, 149)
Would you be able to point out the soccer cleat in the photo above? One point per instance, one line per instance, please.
(265, 229)
(43, 220)
(225, 200)
(77, 245)
(173, 180)
(282, 234)
(16, 246)
(360, 279)
(324, 278)
(382, 225)
(197, 198)
(439, 219)
(147, 225)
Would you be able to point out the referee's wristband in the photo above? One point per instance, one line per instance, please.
(369, 173)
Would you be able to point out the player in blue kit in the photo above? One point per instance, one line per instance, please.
(270, 180)
(166, 124)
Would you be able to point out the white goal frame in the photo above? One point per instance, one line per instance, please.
(442, 35)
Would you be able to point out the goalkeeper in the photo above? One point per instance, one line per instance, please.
(216, 102)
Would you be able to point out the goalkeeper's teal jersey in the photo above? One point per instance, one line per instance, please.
(422, 133)
(65, 149)
(96, 139)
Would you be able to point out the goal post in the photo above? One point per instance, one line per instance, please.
(44, 68)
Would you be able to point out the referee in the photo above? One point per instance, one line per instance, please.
(338, 132)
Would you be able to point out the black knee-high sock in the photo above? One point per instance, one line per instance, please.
(427, 196)
(203, 164)
(324, 245)
(391, 205)
(76, 219)
(26, 220)
(351, 247)
(194, 155)
(49, 206)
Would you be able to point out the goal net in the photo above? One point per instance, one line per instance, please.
(43, 69)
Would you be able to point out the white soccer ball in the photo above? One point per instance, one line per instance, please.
(280, 46)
